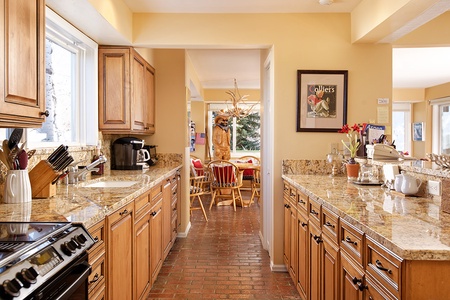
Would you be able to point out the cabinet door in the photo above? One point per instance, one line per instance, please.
(114, 89)
(149, 99)
(22, 46)
(303, 255)
(330, 270)
(315, 262)
(156, 240)
(120, 254)
(142, 256)
(351, 279)
(138, 70)
(167, 217)
(287, 233)
(293, 243)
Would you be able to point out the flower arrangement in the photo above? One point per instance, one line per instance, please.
(353, 140)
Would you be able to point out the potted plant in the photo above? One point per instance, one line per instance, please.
(352, 144)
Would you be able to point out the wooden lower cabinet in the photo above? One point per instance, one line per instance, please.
(330, 269)
(352, 279)
(120, 240)
(142, 275)
(97, 260)
(315, 261)
(302, 255)
(167, 217)
(156, 240)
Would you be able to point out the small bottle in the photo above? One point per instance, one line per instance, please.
(101, 167)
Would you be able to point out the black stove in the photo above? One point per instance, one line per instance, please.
(33, 254)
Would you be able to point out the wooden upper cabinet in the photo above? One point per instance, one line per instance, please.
(126, 91)
(22, 46)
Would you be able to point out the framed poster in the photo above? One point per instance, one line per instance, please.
(418, 132)
(321, 100)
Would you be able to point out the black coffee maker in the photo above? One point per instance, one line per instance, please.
(124, 153)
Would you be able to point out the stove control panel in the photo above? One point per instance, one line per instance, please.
(37, 267)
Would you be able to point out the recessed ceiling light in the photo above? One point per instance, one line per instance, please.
(325, 2)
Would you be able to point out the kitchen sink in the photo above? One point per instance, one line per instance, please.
(111, 184)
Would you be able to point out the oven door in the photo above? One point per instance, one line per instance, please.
(70, 284)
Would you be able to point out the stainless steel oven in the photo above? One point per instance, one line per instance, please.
(44, 261)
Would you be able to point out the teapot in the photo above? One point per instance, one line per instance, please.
(407, 184)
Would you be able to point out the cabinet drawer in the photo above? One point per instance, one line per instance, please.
(99, 234)
(314, 212)
(302, 201)
(98, 294)
(352, 241)
(375, 292)
(383, 266)
(97, 276)
(292, 194)
(156, 193)
(120, 213)
(141, 205)
(330, 225)
(286, 188)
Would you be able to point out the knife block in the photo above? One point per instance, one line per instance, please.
(41, 177)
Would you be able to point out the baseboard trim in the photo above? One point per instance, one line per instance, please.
(184, 234)
(278, 268)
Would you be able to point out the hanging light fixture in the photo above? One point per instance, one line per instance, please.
(238, 108)
(326, 2)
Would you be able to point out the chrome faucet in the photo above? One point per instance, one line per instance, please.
(76, 174)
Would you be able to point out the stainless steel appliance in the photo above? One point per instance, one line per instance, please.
(124, 154)
(44, 260)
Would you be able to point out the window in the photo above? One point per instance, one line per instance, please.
(245, 132)
(71, 87)
(401, 126)
(441, 124)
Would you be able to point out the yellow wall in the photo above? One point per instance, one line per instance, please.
(221, 94)
(408, 95)
(300, 41)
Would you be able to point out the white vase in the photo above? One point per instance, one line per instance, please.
(17, 187)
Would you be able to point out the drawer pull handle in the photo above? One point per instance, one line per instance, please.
(292, 194)
(124, 212)
(358, 282)
(153, 213)
(349, 240)
(304, 224)
(287, 206)
(317, 239)
(329, 224)
(95, 279)
(301, 201)
(379, 266)
(96, 239)
(314, 212)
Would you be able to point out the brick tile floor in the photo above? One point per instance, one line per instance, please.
(222, 259)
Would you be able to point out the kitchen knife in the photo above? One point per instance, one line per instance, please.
(52, 158)
(59, 160)
(67, 161)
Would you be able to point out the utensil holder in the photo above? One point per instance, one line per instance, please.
(41, 177)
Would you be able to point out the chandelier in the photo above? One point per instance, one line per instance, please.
(239, 108)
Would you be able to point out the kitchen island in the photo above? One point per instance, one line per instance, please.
(350, 241)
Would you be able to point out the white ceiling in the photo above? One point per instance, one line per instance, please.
(412, 67)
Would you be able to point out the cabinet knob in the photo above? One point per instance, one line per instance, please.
(314, 212)
(124, 212)
(153, 213)
(329, 224)
(358, 282)
(45, 113)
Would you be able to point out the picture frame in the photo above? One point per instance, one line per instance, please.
(418, 129)
(321, 100)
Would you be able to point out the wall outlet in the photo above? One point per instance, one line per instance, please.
(434, 187)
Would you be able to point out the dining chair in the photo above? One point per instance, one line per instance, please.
(226, 181)
(197, 166)
(200, 186)
(248, 173)
(256, 186)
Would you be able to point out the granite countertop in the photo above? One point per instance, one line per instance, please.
(412, 227)
(87, 205)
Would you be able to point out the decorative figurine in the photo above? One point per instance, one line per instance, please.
(221, 138)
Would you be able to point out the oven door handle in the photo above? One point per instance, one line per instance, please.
(81, 272)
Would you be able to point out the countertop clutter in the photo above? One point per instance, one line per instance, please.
(88, 205)
(414, 228)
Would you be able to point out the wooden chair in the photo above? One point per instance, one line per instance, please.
(226, 181)
(256, 186)
(200, 186)
(198, 168)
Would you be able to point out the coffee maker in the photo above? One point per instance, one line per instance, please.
(124, 153)
(153, 158)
